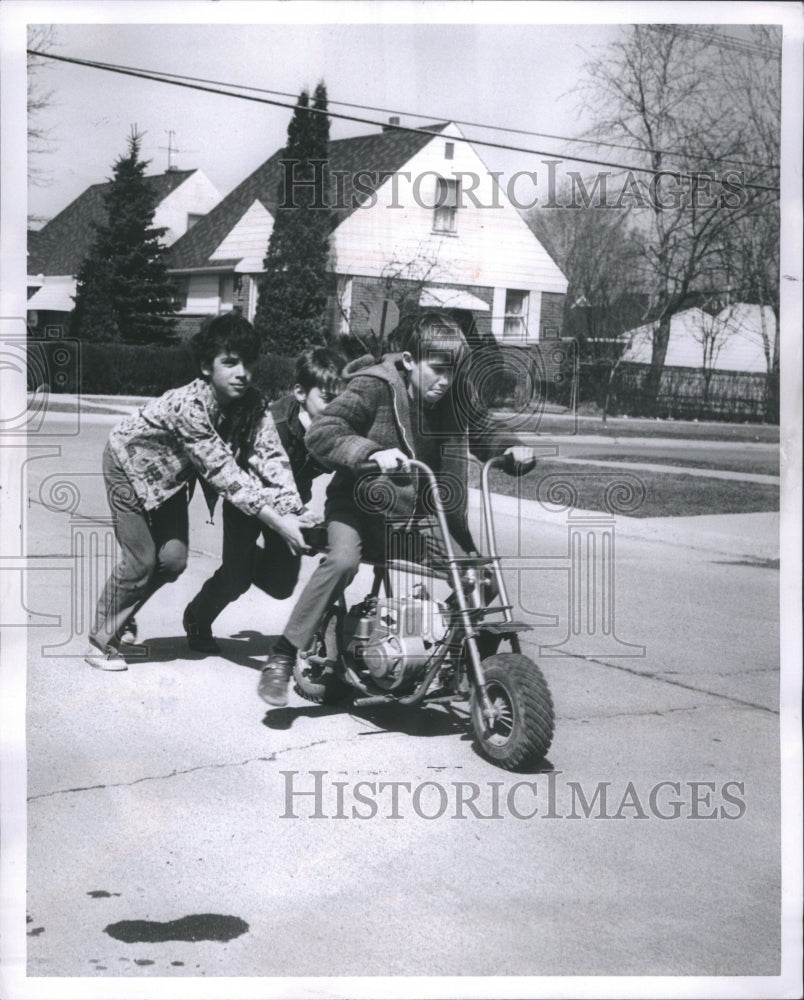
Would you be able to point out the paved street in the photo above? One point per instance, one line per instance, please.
(167, 792)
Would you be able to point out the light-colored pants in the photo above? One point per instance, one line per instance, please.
(154, 549)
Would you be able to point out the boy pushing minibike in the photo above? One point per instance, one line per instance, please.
(150, 466)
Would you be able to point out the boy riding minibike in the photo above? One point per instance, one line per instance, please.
(413, 408)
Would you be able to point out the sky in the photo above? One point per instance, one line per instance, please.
(516, 76)
(423, 61)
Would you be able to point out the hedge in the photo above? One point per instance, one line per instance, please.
(132, 370)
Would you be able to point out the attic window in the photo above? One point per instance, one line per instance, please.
(449, 150)
(447, 198)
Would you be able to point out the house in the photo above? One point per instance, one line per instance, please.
(57, 250)
(412, 207)
(735, 338)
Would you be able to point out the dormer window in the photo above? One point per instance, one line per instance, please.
(448, 192)
(449, 150)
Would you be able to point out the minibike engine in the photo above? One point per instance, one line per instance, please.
(393, 637)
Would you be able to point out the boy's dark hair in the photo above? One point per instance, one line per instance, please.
(435, 334)
(319, 367)
(228, 332)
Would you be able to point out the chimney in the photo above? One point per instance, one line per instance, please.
(393, 120)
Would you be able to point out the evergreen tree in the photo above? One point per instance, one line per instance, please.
(292, 306)
(123, 291)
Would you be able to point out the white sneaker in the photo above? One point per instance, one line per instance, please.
(104, 658)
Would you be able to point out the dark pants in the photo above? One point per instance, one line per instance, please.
(271, 567)
(154, 549)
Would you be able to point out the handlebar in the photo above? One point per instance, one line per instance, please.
(504, 462)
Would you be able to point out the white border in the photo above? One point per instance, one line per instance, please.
(14, 14)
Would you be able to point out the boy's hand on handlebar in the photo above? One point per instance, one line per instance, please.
(519, 459)
(391, 460)
(287, 526)
(289, 529)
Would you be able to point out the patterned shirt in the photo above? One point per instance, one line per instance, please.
(176, 437)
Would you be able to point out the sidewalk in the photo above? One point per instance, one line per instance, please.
(753, 537)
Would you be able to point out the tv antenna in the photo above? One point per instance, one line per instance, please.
(171, 149)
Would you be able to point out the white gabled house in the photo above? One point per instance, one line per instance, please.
(414, 205)
(738, 338)
(57, 250)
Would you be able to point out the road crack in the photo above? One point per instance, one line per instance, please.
(179, 772)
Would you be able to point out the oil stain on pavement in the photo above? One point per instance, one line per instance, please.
(195, 927)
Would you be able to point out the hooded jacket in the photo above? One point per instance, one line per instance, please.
(373, 413)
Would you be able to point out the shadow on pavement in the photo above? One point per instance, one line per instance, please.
(244, 649)
(283, 718)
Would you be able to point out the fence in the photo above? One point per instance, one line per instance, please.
(684, 393)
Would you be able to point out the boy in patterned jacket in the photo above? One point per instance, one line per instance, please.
(151, 462)
(272, 566)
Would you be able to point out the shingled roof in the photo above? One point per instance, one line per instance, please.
(61, 245)
(380, 155)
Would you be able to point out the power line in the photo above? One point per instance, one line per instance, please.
(722, 41)
(458, 121)
(159, 77)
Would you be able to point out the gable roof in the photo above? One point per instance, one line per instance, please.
(61, 245)
(379, 155)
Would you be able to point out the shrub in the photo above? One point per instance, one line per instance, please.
(138, 370)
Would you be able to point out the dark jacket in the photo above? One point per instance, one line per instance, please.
(285, 412)
(373, 413)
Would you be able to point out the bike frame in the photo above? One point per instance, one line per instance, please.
(465, 626)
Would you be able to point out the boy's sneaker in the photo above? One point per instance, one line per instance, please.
(128, 633)
(104, 657)
(126, 641)
(275, 678)
(199, 638)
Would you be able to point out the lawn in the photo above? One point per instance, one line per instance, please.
(640, 494)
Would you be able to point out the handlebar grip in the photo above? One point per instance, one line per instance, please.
(507, 464)
(316, 537)
(366, 467)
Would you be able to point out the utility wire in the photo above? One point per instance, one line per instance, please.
(722, 41)
(457, 121)
(164, 78)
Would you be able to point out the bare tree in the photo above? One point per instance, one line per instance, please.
(714, 328)
(401, 282)
(41, 38)
(751, 249)
(598, 250)
(658, 96)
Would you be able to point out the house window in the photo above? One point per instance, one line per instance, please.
(181, 289)
(446, 211)
(449, 150)
(226, 289)
(192, 218)
(516, 314)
